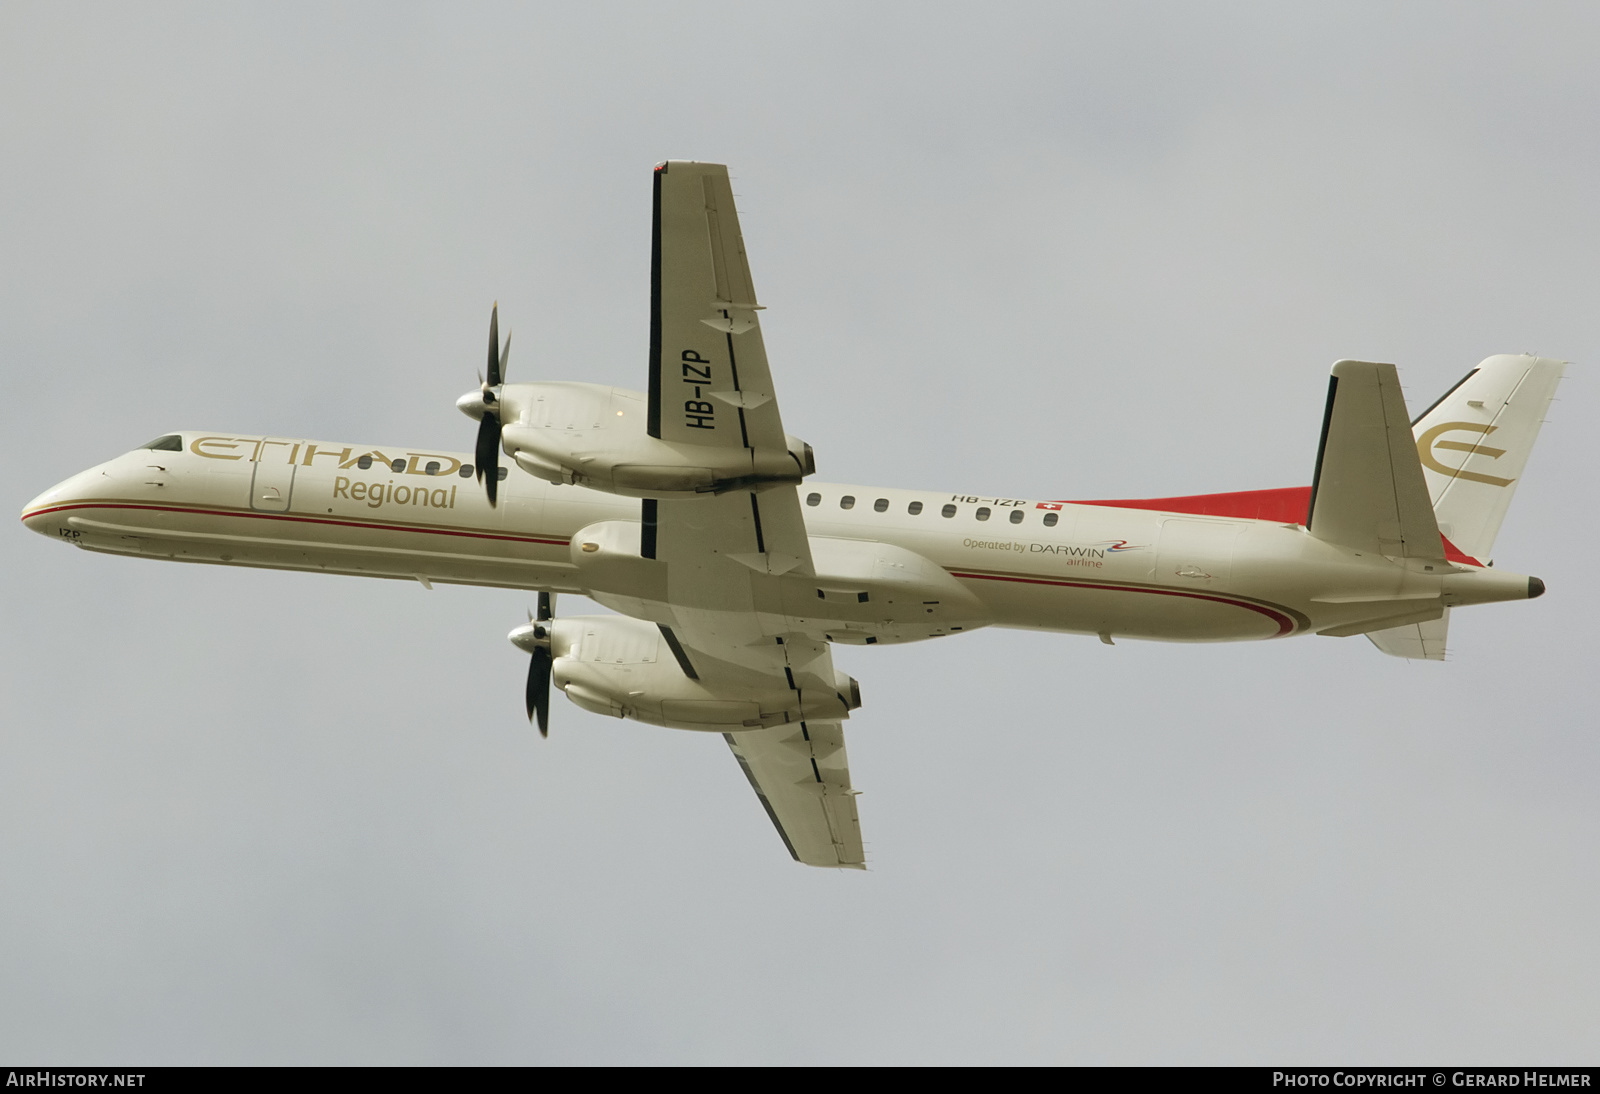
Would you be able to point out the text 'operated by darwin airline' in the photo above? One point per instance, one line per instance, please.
(687, 509)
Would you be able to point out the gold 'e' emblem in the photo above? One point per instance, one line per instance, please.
(1427, 443)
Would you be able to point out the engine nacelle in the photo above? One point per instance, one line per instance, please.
(595, 436)
(623, 668)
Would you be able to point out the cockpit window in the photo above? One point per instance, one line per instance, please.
(170, 443)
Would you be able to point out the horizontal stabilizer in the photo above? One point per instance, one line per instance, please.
(1369, 493)
(1417, 641)
(1424, 614)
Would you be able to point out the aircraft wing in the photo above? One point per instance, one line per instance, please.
(710, 385)
(709, 382)
(803, 780)
(729, 629)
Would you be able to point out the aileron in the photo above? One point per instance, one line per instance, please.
(802, 777)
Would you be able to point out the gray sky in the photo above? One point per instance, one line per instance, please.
(1052, 251)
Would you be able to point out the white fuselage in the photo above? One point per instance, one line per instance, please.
(1093, 569)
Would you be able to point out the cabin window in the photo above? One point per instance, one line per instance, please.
(948, 511)
(364, 462)
(914, 508)
(813, 499)
(881, 505)
(847, 502)
(1050, 519)
(983, 512)
(1016, 516)
(466, 471)
(431, 467)
(170, 443)
(503, 472)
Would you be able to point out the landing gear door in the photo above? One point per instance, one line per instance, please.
(274, 477)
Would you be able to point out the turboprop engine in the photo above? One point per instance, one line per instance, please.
(625, 668)
(595, 436)
(599, 437)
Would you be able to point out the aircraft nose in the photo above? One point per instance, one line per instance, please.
(47, 514)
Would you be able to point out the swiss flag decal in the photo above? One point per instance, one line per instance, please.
(1049, 505)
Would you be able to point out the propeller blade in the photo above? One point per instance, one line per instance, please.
(488, 453)
(538, 693)
(494, 345)
(547, 606)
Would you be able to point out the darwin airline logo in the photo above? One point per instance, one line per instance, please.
(1430, 442)
(1090, 555)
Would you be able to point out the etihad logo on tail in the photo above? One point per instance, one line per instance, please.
(1429, 441)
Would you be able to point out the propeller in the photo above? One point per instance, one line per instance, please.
(534, 637)
(487, 455)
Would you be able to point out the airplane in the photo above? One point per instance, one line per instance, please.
(686, 510)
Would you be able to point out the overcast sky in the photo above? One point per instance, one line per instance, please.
(1050, 251)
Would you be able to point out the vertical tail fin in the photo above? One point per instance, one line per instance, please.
(1368, 493)
(1474, 443)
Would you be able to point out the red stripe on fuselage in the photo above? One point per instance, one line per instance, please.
(1285, 624)
(296, 520)
(1286, 505)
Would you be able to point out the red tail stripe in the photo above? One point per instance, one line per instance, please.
(1285, 505)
